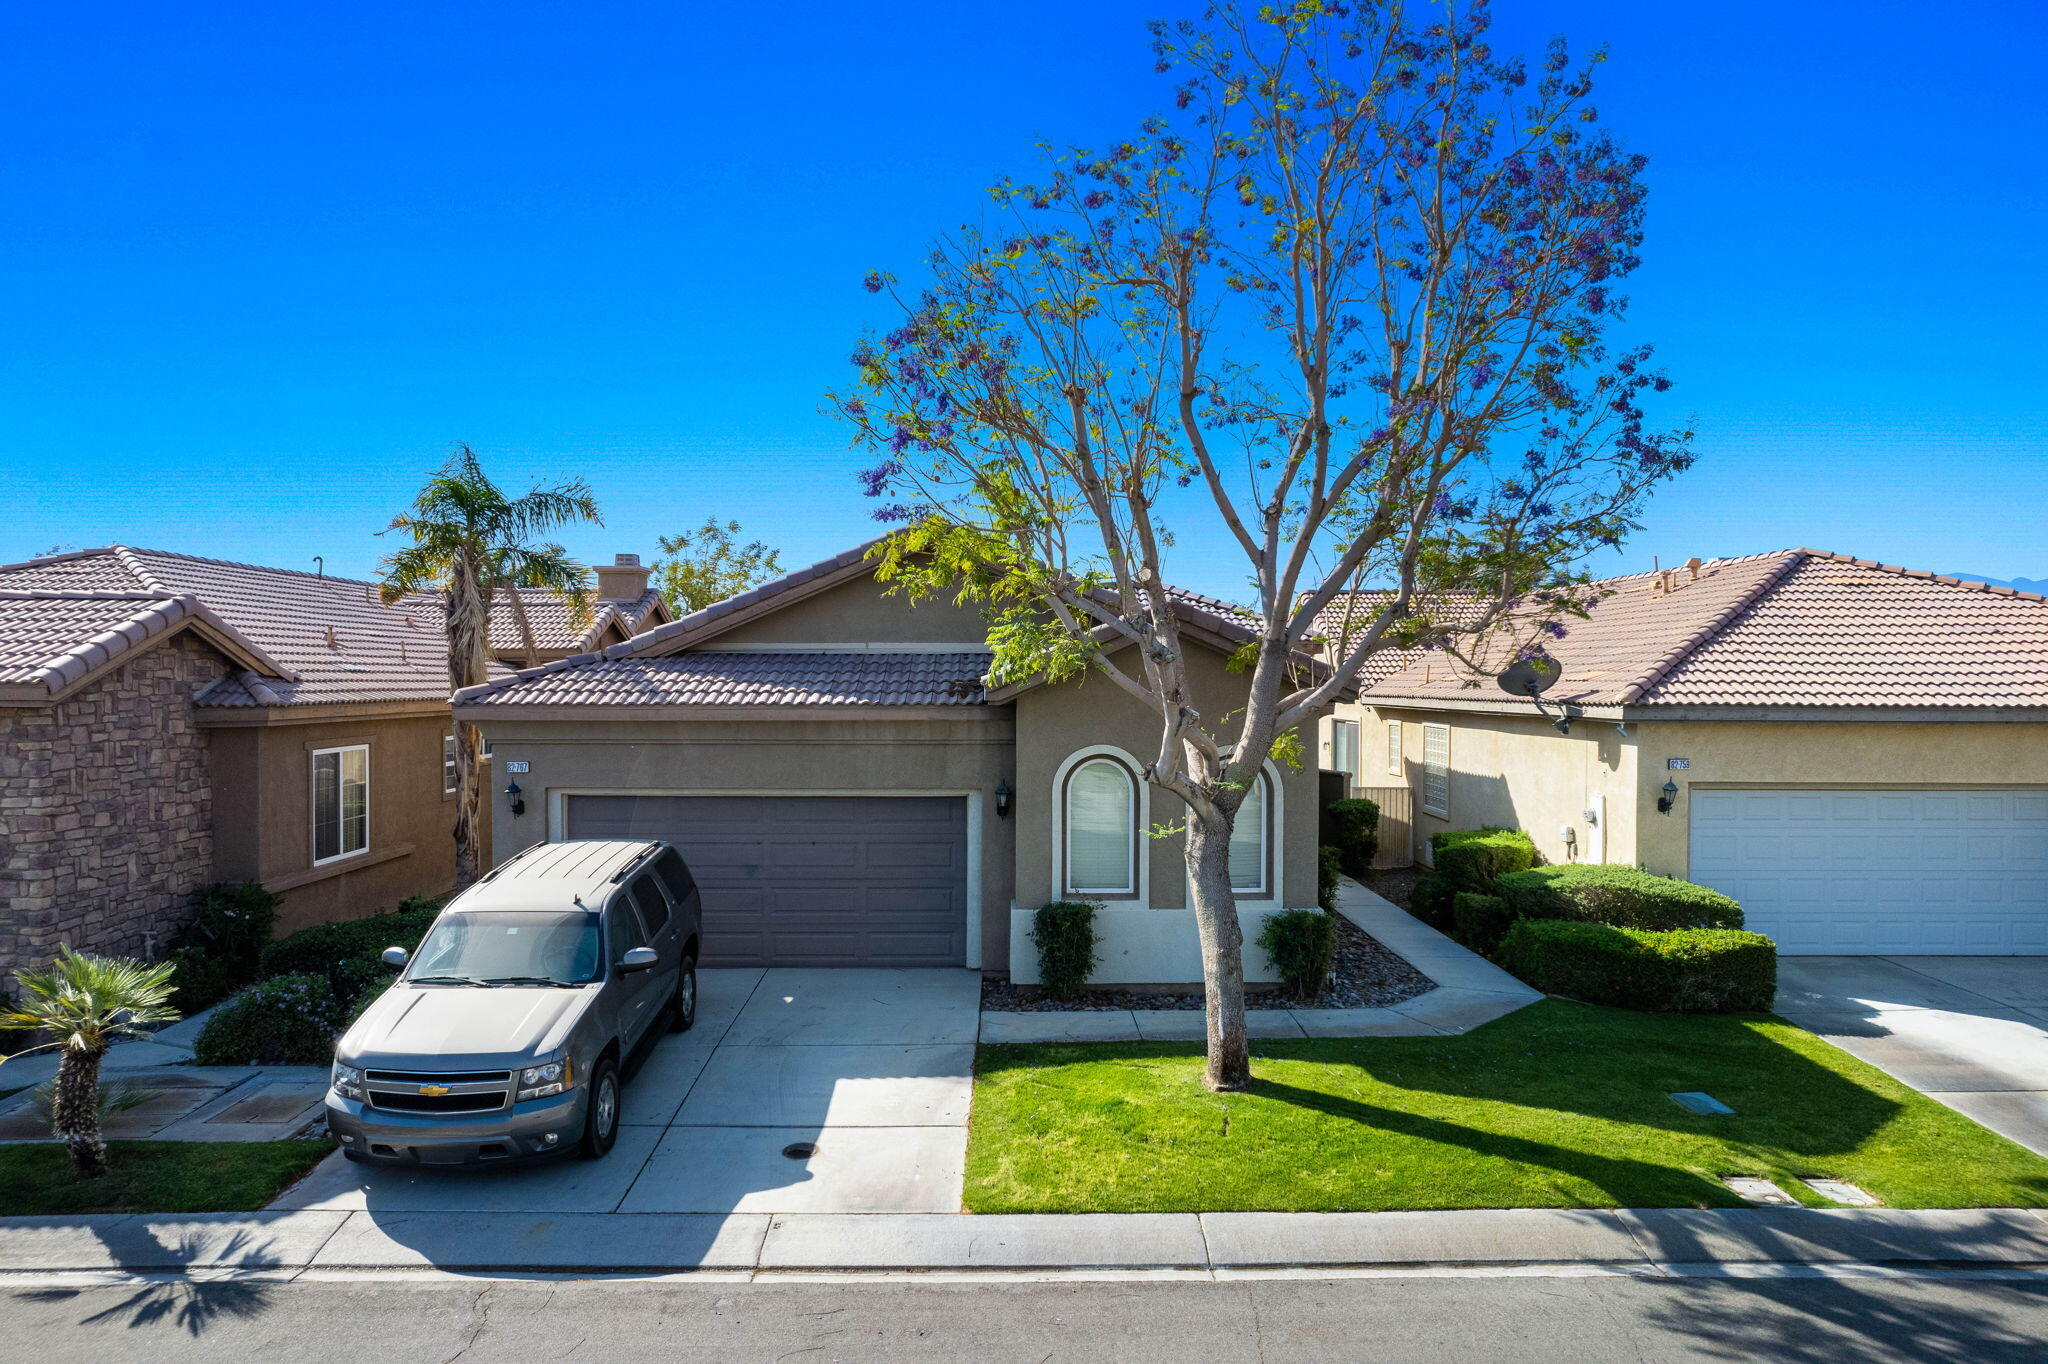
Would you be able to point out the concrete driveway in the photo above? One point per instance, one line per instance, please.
(1969, 1031)
(873, 1067)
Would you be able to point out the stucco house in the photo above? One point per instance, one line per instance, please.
(849, 791)
(1856, 752)
(167, 720)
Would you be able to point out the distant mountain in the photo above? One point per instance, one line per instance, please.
(2017, 584)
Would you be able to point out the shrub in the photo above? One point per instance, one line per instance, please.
(1356, 827)
(1431, 900)
(1609, 893)
(1686, 970)
(220, 949)
(1302, 944)
(1064, 934)
(1479, 921)
(288, 1020)
(1474, 859)
(343, 951)
(1329, 866)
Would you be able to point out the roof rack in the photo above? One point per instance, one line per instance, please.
(631, 863)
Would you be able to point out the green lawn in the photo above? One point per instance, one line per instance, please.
(1556, 1105)
(155, 1176)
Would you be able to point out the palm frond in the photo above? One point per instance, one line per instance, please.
(84, 1001)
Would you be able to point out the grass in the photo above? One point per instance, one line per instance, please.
(1556, 1105)
(155, 1176)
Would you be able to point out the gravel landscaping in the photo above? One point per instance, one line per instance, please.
(1365, 975)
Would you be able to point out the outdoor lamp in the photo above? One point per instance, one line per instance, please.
(513, 794)
(1669, 798)
(1002, 799)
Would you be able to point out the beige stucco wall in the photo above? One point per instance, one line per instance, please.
(858, 612)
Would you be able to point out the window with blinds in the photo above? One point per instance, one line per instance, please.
(1101, 830)
(341, 802)
(1249, 840)
(1393, 748)
(1344, 748)
(1436, 769)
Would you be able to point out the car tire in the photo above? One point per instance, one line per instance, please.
(682, 1009)
(601, 1112)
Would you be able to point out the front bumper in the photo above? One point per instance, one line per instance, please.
(506, 1135)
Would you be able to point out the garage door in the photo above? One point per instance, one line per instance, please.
(1881, 872)
(809, 880)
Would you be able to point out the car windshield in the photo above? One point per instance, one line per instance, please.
(507, 947)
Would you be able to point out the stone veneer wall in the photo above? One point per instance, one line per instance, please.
(106, 819)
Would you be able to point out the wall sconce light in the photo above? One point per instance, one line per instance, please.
(1669, 798)
(513, 794)
(1002, 799)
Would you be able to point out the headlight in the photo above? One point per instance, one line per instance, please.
(544, 1080)
(348, 1081)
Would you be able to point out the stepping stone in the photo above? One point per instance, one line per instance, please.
(1754, 1190)
(1693, 1101)
(1842, 1192)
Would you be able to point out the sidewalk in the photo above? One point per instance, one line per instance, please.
(1649, 1241)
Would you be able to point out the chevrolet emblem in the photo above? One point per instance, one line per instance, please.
(434, 1091)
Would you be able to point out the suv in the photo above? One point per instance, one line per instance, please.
(503, 1036)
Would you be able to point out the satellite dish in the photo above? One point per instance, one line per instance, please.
(1530, 676)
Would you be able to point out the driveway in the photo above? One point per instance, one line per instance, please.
(1969, 1031)
(872, 1067)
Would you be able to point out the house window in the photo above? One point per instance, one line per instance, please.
(1101, 830)
(1393, 748)
(1344, 748)
(341, 802)
(1250, 837)
(1436, 770)
(447, 764)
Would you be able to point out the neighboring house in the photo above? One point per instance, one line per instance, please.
(1856, 752)
(167, 720)
(848, 791)
(621, 606)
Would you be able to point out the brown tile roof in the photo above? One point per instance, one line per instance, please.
(710, 620)
(1349, 615)
(711, 678)
(323, 640)
(548, 614)
(53, 638)
(1790, 628)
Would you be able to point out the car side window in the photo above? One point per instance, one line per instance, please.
(674, 874)
(622, 928)
(653, 908)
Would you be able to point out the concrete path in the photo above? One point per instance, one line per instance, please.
(1969, 1031)
(874, 1069)
(1470, 991)
(195, 1103)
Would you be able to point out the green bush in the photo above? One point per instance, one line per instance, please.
(344, 951)
(1302, 944)
(1610, 893)
(1356, 825)
(1064, 934)
(1686, 970)
(1474, 859)
(220, 949)
(288, 1020)
(1479, 921)
(1432, 900)
(1329, 866)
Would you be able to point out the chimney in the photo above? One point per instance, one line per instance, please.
(623, 579)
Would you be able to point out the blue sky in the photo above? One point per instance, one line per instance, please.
(262, 265)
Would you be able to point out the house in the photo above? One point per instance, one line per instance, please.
(168, 720)
(848, 790)
(1856, 752)
(621, 606)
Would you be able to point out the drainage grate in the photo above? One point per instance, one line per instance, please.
(800, 1150)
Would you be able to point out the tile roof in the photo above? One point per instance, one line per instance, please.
(322, 640)
(682, 632)
(52, 639)
(712, 678)
(1790, 628)
(1350, 614)
(548, 614)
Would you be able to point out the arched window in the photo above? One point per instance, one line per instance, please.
(1101, 829)
(1250, 840)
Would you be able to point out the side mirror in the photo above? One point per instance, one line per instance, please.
(396, 958)
(638, 959)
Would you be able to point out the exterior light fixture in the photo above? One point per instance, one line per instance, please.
(1002, 799)
(514, 795)
(1669, 798)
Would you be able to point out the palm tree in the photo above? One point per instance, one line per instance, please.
(470, 543)
(84, 1003)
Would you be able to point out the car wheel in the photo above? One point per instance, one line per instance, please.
(601, 1113)
(682, 1010)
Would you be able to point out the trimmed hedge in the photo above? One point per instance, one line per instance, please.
(1479, 921)
(289, 1020)
(1356, 825)
(343, 952)
(1329, 866)
(1687, 970)
(1433, 900)
(1302, 944)
(1610, 893)
(220, 949)
(1064, 934)
(1473, 859)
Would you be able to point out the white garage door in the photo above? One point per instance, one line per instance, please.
(1881, 872)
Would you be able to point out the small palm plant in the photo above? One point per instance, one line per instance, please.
(84, 1003)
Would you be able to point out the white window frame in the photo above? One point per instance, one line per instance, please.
(1436, 770)
(1263, 888)
(450, 778)
(313, 804)
(1138, 860)
(1338, 728)
(1393, 748)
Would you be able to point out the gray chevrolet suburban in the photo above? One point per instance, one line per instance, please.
(503, 1037)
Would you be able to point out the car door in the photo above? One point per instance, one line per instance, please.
(656, 912)
(623, 932)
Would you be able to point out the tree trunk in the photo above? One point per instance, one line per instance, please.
(468, 616)
(75, 1110)
(1208, 861)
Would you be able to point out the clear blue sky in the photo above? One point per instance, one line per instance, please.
(262, 264)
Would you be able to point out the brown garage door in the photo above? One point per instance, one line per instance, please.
(810, 880)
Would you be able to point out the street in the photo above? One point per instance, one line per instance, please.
(1470, 1319)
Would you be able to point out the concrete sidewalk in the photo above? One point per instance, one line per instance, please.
(1642, 1241)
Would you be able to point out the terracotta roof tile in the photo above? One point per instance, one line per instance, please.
(711, 678)
(52, 637)
(548, 614)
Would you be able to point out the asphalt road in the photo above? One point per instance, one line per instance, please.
(1522, 1320)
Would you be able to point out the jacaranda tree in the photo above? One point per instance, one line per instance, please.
(1349, 308)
